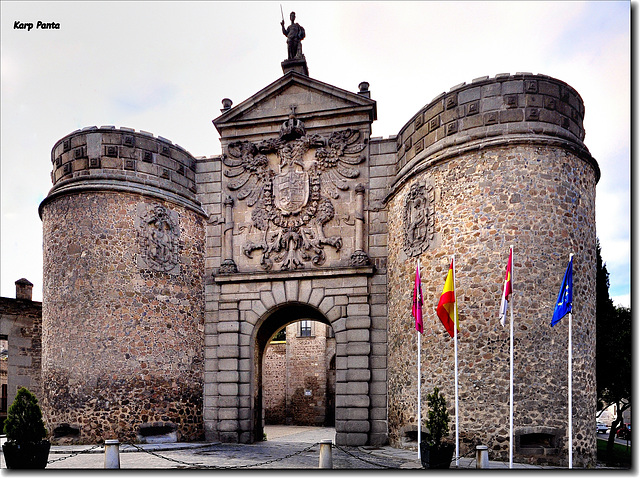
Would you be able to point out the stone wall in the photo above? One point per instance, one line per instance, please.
(123, 294)
(537, 195)
(21, 325)
(274, 383)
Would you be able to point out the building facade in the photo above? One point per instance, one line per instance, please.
(20, 345)
(299, 384)
(174, 273)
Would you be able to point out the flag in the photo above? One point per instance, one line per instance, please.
(446, 309)
(506, 291)
(416, 309)
(565, 296)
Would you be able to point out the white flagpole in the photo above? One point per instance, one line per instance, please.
(570, 368)
(511, 367)
(419, 379)
(455, 339)
(419, 402)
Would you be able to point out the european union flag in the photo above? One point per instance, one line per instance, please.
(565, 296)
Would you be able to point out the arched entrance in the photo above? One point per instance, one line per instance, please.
(305, 316)
(251, 308)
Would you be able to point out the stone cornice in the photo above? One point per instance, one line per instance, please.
(297, 274)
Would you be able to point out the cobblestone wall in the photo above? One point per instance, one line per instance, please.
(538, 196)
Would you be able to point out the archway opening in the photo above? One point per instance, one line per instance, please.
(295, 370)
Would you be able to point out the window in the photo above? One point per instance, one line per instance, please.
(305, 328)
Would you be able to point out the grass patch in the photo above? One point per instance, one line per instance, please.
(621, 454)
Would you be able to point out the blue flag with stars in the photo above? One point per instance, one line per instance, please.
(565, 296)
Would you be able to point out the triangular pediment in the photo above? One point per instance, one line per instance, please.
(311, 98)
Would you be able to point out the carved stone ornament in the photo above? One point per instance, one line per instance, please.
(291, 195)
(419, 225)
(158, 239)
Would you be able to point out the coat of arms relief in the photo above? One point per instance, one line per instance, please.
(289, 184)
(419, 218)
(159, 242)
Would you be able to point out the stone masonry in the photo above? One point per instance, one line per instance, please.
(507, 167)
(21, 327)
(166, 276)
(299, 379)
(123, 292)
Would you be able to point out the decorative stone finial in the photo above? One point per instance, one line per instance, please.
(364, 89)
(226, 104)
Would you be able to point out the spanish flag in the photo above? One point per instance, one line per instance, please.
(447, 310)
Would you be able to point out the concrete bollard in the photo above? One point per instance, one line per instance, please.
(326, 459)
(111, 454)
(482, 456)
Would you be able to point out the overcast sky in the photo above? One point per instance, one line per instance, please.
(164, 67)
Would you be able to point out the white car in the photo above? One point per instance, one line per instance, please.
(601, 427)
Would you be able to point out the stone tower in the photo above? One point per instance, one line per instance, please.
(496, 163)
(123, 303)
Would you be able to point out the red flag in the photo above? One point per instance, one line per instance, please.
(416, 309)
(447, 305)
(507, 290)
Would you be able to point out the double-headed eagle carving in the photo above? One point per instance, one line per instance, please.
(292, 205)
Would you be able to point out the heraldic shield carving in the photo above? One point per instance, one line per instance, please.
(289, 184)
(158, 239)
(419, 224)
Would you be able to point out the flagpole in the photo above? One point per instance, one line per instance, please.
(570, 367)
(419, 401)
(419, 380)
(455, 341)
(511, 367)
(570, 379)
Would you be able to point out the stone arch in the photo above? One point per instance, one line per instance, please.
(252, 307)
(265, 328)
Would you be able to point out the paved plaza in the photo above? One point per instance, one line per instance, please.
(286, 447)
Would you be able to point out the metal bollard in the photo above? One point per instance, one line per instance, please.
(111, 454)
(482, 456)
(326, 459)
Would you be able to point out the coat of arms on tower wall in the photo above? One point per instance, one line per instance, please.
(289, 184)
(158, 238)
(419, 224)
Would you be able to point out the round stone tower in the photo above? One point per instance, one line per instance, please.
(496, 163)
(123, 302)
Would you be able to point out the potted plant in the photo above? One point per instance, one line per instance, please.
(26, 446)
(434, 452)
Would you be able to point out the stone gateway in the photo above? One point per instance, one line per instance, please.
(167, 276)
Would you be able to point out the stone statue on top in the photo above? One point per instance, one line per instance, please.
(295, 34)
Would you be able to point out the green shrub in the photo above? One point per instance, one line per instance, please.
(438, 421)
(24, 422)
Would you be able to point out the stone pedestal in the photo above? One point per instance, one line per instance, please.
(299, 65)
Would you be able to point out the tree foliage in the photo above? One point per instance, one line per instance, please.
(24, 422)
(438, 421)
(613, 350)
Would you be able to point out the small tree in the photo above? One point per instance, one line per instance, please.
(613, 351)
(438, 421)
(24, 422)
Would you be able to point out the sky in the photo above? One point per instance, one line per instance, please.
(164, 67)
